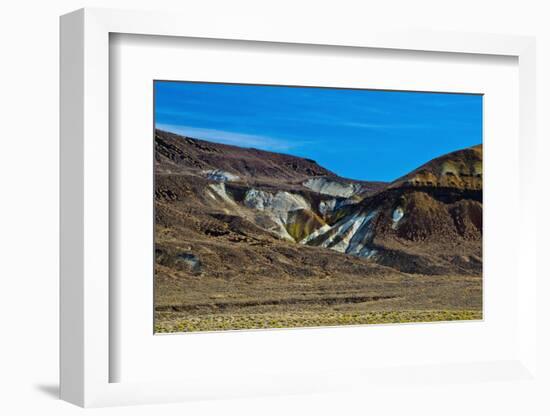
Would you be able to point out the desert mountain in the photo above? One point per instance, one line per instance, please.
(429, 220)
(218, 204)
(225, 162)
(457, 170)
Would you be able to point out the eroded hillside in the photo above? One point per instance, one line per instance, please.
(232, 222)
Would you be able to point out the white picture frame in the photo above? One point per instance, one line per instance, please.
(86, 355)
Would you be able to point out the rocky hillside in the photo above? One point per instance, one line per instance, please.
(216, 203)
(429, 221)
(222, 162)
(461, 170)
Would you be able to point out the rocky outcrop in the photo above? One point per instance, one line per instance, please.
(351, 235)
(287, 210)
(461, 170)
(332, 187)
(219, 175)
(302, 223)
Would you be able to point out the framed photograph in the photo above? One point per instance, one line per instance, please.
(284, 212)
(285, 206)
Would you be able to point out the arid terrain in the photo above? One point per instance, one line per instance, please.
(248, 239)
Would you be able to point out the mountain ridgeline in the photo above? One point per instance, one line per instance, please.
(231, 211)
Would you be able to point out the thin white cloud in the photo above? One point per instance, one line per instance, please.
(232, 138)
(385, 126)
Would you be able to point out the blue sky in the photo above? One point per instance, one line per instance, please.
(359, 134)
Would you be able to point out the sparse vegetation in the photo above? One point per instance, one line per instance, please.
(170, 322)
